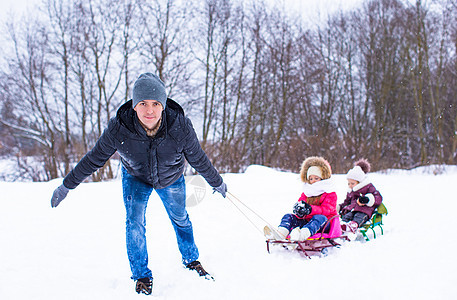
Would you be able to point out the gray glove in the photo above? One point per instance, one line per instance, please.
(221, 189)
(59, 194)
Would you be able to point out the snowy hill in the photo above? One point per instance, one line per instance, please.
(77, 250)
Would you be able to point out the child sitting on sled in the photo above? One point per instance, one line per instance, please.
(316, 205)
(362, 197)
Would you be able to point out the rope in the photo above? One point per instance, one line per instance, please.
(250, 221)
(230, 196)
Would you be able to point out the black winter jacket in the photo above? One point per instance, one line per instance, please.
(157, 161)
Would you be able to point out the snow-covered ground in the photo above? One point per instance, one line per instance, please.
(77, 250)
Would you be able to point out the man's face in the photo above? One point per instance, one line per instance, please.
(149, 112)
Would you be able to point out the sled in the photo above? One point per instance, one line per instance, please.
(374, 222)
(318, 243)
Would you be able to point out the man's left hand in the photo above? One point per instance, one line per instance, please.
(221, 189)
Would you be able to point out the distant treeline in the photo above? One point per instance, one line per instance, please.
(263, 86)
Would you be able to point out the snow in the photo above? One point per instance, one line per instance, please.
(77, 250)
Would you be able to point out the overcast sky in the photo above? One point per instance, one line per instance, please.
(310, 9)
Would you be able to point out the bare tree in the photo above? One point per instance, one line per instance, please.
(61, 21)
(107, 63)
(130, 41)
(251, 136)
(381, 38)
(164, 43)
(30, 86)
(378, 82)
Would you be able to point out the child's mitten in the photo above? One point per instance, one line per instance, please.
(364, 199)
(302, 209)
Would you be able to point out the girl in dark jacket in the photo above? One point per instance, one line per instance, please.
(362, 197)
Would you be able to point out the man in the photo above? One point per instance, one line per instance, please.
(153, 137)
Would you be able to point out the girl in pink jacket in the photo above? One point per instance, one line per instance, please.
(316, 205)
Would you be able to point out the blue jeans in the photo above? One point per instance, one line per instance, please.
(136, 195)
(291, 221)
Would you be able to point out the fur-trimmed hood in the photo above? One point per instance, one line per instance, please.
(317, 161)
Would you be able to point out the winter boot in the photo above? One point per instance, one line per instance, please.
(275, 234)
(350, 226)
(144, 285)
(304, 234)
(300, 235)
(295, 234)
(197, 266)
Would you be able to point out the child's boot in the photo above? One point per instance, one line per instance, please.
(304, 234)
(298, 234)
(283, 232)
(352, 226)
(275, 234)
(295, 234)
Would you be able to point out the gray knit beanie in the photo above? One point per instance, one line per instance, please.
(149, 87)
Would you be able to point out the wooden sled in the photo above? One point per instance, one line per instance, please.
(319, 242)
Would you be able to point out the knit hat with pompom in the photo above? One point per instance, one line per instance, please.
(359, 171)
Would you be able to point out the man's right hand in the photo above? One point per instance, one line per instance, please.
(59, 194)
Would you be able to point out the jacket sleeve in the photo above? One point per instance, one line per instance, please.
(302, 197)
(346, 202)
(376, 196)
(96, 158)
(198, 159)
(327, 207)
